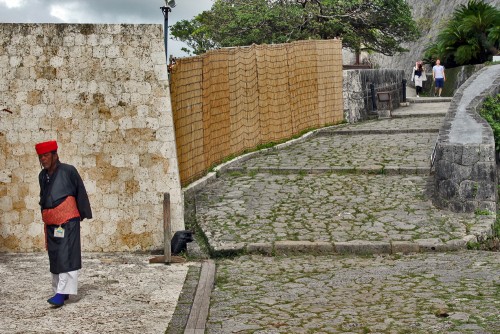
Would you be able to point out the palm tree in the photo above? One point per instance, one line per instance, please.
(472, 35)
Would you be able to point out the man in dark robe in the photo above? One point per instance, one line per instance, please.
(64, 203)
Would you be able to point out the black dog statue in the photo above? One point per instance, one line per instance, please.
(179, 241)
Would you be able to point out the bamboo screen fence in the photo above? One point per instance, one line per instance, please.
(231, 100)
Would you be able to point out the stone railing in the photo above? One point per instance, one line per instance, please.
(465, 178)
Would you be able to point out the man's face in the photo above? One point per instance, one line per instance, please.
(47, 159)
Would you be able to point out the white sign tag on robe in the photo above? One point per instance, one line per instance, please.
(59, 232)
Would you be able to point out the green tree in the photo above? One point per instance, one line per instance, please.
(379, 25)
(471, 36)
(194, 34)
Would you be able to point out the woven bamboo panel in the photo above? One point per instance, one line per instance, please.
(303, 78)
(216, 116)
(329, 61)
(244, 100)
(274, 93)
(187, 105)
(230, 100)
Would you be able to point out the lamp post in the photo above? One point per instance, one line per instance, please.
(169, 4)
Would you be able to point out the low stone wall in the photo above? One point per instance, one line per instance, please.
(465, 177)
(358, 103)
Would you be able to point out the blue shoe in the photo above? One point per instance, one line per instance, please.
(66, 297)
(57, 300)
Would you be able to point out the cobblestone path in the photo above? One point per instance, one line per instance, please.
(364, 182)
(334, 208)
(363, 189)
(420, 293)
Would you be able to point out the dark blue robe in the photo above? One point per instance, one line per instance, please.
(64, 253)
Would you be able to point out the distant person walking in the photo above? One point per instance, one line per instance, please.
(64, 203)
(418, 76)
(439, 77)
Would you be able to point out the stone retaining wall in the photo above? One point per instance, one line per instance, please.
(465, 178)
(102, 92)
(357, 95)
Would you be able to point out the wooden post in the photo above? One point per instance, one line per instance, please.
(167, 257)
(167, 227)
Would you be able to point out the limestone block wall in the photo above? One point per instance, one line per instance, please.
(102, 92)
(465, 177)
(357, 95)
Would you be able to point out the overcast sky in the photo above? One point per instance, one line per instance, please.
(101, 11)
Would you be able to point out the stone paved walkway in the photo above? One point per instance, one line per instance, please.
(420, 293)
(361, 188)
(118, 293)
(356, 187)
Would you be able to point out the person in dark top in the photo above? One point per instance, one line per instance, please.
(64, 203)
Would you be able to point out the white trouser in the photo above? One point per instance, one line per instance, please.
(65, 283)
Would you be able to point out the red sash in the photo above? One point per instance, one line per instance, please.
(60, 214)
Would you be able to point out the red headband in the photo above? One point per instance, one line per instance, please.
(48, 146)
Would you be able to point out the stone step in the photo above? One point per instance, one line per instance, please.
(395, 114)
(376, 131)
(357, 247)
(428, 99)
(375, 169)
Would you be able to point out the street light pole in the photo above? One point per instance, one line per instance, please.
(169, 4)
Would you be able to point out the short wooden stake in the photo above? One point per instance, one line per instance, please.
(167, 233)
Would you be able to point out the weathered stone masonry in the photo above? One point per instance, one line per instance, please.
(464, 162)
(357, 95)
(102, 92)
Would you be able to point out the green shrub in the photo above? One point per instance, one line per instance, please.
(490, 111)
(471, 36)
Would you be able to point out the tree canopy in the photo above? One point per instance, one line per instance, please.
(377, 25)
(471, 36)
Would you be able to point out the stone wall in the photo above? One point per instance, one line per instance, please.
(102, 92)
(465, 177)
(357, 95)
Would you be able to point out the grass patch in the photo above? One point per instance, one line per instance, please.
(482, 212)
(235, 173)
(490, 111)
(491, 243)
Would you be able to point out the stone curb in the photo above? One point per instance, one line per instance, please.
(355, 247)
(199, 184)
(440, 114)
(377, 169)
(428, 99)
(376, 131)
(182, 310)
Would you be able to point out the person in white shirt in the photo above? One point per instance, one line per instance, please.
(438, 76)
